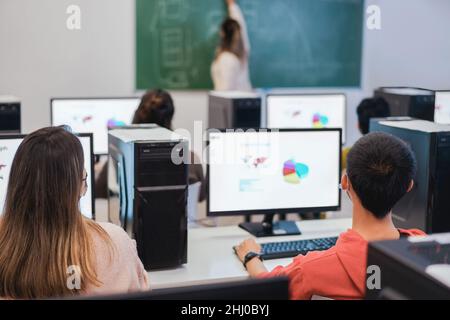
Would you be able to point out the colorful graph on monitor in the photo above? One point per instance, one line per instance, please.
(294, 172)
(82, 119)
(255, 162)
(319, 120)
(2, 166)
(115, 123)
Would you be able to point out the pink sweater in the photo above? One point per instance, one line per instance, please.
(122, 273)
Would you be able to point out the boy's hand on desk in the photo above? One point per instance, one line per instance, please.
(246, 247)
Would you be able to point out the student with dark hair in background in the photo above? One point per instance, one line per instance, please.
(44, 238)
(157, 107)
(381, 169)
(367, 109)
(371, 108)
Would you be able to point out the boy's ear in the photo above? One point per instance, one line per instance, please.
(344, 182)
(411, 185)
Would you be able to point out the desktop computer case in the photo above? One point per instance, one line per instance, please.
(416, 106)
(402, 272)
(156, 190)
(10, 118)
(234, 110)
(427, 205)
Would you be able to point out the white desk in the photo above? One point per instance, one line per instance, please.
(211, 257)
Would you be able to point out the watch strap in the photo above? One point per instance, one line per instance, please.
(250, 256)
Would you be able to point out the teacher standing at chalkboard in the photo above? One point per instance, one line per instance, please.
(230, 68)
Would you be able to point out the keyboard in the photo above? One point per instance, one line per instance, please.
(289, 249)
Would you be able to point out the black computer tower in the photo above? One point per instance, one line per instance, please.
(427, 206)
(234, 110)
(10, 115)
(408, 269)
(412, 102)
(147, 191)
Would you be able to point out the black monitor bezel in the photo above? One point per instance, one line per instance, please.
(269, 211)
(87, 98)
(82, 135)
(289, 94)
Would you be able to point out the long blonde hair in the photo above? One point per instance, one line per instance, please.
(42, 232)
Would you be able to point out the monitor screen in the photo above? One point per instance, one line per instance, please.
(306, 111)
(273, 172)
(8, 148)
(442, 107)
(94, 116)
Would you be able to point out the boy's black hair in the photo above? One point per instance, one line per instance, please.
(371, 108)
(380, 168)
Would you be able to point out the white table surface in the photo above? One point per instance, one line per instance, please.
(210, 254)
(211, 257)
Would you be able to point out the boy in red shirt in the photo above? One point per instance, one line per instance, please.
(380, 171)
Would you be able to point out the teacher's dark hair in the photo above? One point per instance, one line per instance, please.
(231, 39)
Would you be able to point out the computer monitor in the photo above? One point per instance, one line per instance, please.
(304, 111)
(276, 288)
(273, 171)
(408, 101)
(94, 115)
(8, 148)
(442, 107)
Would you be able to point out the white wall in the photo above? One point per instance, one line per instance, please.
(413, 47)
(40, 58)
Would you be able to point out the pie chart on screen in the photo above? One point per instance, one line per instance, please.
(115, 123)
(294, 172)
(320, 121)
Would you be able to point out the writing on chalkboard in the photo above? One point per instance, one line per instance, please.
(295, 43)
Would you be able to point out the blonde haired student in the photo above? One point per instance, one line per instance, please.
(47, 247)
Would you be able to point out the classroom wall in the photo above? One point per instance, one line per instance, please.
(40, 58)
(413, 46)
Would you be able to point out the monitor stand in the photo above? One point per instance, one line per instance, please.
(268, 228)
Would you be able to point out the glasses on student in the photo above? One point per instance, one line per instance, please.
(85, 180)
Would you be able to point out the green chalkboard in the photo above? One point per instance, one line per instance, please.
(294, 43)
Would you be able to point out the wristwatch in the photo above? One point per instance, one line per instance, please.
(249, 256)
